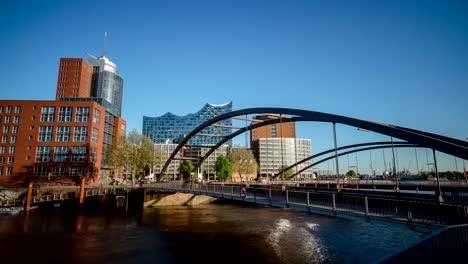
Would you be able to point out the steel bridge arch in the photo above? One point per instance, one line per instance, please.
(350, 152)
(440, 143)
(382, 143)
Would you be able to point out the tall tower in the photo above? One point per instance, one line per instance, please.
(74, 78)
(106, 83)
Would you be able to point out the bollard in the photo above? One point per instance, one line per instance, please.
(287, 198)
(366, 202)
(334, 203)
(269, 196)
(308, 202)
(28, 198)
(82, 189)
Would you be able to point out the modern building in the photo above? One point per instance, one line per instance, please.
(175, 128)
(107, 84)
(274, 153)
(278, 130)
(207, 170)
(74, 78)
(71, 136)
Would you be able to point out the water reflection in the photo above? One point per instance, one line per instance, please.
(215, 233)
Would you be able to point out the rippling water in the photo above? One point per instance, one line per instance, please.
(214, 233)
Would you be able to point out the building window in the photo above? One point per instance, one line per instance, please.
(7, 119)
(4, 139)
(31, 127)
(18, 109)
(59, 171)
(28, 147)
(76, 171)
(43, 154)
(11, 160)
(92, 155)
(8, 110)
(1, 170)
(2, 149)
(16, 119)
(2, 160)
(94, 136)
(82, 114)
(15, 129)
(13, 139)
(27, 157)
(30, 137)
(79, 154)
(1, 109)
(96, 116)
(65, 114)
(60, 154)
(45, 133)
(47, 114)
(41, 171)
(6, 129)
(62, 134)
(80, 134)
(12, 149)
(9, 171)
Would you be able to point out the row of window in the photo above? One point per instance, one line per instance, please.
(7, 119)
(5, 139)
(63, 134)
(60, 171)
(11, 149)
(9, 109)
(65, 154)
(8, 171)
(14, 130)
(9, 160)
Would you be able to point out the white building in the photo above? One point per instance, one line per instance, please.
(273, 153)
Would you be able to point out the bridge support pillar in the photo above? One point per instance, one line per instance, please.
(82, 188)
(27, 206)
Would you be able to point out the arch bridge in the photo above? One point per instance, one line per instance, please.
(410, 137)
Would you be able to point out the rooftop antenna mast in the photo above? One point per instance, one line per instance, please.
(104, 47)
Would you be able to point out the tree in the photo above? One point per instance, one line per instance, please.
(135, 154)
(243, 161)
(186, 169)
(351, 173)
(285, 175)
(223, 168)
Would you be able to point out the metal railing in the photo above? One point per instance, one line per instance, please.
(446, 245)
(331, 203)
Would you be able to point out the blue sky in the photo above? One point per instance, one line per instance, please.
(398, 62)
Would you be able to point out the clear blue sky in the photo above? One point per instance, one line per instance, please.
(398, 62)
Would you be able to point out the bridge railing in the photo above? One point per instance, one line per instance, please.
(412, 211)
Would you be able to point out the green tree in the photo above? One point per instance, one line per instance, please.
(134, 154)
(285, 174)
(351, 173)
(243, 161)
(186, 169)
(223, 168)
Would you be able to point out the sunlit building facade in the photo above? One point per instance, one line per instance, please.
(174, 128)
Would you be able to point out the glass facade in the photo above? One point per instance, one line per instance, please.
(110, 87)
(172, 127)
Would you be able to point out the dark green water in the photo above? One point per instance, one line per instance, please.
(214, 233)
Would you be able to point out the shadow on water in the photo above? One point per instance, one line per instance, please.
(222, 232)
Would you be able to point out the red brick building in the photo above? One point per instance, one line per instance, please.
(70, 137)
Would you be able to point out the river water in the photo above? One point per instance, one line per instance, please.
(222, 232)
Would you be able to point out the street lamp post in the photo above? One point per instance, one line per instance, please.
(395, 174)
(439, 192)
(336, 159)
